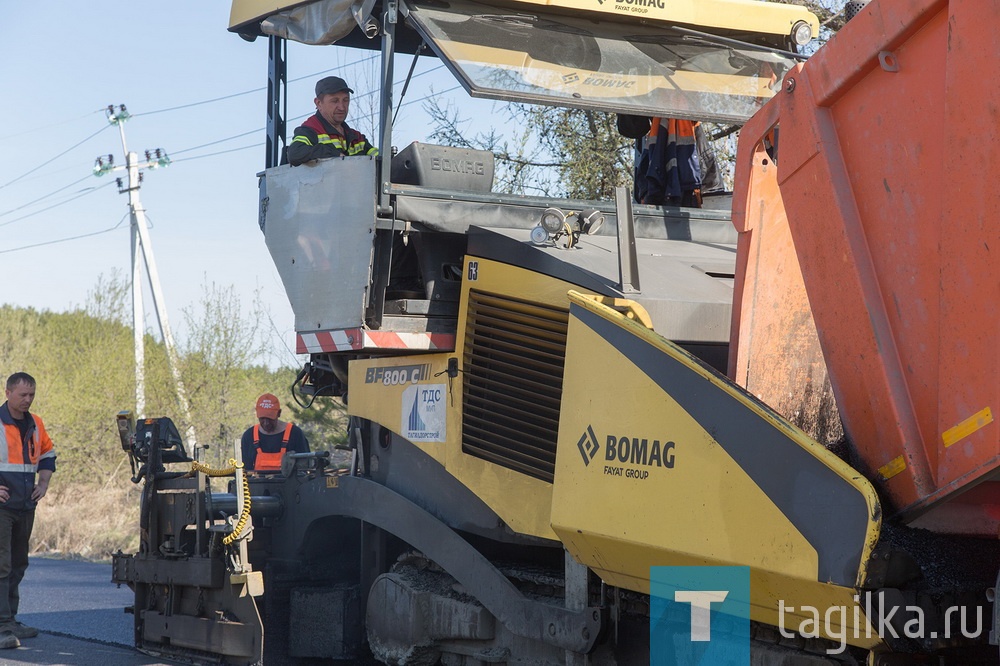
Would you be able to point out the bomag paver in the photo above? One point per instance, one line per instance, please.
(799, 380)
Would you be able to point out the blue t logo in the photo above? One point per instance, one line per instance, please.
(701, 610)
(699, 616)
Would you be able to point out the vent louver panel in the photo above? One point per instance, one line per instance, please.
(512, 382)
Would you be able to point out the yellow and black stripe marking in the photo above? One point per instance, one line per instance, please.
(732, 482)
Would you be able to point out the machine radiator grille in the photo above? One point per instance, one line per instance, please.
(512, 382)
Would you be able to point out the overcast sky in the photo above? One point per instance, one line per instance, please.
(66, 61)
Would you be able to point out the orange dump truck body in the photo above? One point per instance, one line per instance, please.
(870, 250)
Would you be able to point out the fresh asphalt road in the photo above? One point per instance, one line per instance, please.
(80, 615)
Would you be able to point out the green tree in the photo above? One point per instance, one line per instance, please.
(221, 367)
(323, 420)
(18, 328)
(593, 157)
(82, 364)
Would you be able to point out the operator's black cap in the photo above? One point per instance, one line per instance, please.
(330, 85)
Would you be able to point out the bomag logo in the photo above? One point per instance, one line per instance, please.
(458, 166)
(627, 456)
(607, 82)
(588, 445)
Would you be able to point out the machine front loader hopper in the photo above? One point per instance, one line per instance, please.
(867, 249)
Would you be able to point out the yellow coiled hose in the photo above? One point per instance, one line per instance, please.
(205, 469)
(241, 522)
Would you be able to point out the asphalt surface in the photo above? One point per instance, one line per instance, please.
(80, 615)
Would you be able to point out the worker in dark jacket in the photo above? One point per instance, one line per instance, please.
(326, 134)
(675, 164)
(265, 444)
(25, 450)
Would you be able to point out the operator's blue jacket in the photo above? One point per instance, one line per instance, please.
(20, 460)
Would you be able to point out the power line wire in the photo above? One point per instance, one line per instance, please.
(206, 101)
(79, 143)
(13, 210)
(64, 240)
(205, 145)
(61, 203)
(306, 115)
(195, 157)
(243, 134)
(83, 166)
(216, 142)
(49, 125)
(221, 152)
(259, 144)
(427, 97)
(248, 92)
(211, 143)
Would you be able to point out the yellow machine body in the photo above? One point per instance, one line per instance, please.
(660, 461)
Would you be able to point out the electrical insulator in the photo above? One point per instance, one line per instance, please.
(120, 117)
(100, 168)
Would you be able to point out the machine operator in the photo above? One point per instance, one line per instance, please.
(326, 133)
(265, 444)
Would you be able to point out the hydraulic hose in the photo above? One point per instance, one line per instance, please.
(241, 522)
(205, 469)
(245, 513)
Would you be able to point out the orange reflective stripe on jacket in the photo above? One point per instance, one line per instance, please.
(683, 129)
(21, 458)
(269, 462)
(12, 449)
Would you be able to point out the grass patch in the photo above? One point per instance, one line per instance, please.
(87, 520)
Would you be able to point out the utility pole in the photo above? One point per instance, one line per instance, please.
(142, 252)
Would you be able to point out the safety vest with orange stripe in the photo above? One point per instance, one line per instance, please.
(269, 462)
(21, 458)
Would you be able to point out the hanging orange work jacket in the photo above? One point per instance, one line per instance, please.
(270, 462)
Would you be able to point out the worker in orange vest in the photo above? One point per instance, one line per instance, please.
(265, 444)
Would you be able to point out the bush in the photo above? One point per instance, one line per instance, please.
(88, 521)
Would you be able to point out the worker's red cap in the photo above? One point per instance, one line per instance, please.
(268, 406)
